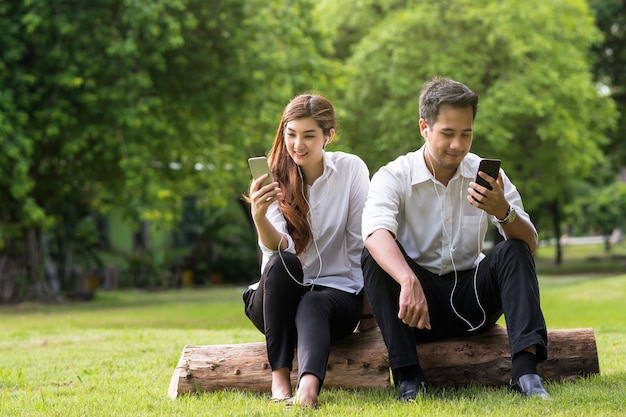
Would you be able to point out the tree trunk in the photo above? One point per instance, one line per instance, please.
(22, 275)
(39, 288)
(360, 361)
(9, 278)
(555, 210)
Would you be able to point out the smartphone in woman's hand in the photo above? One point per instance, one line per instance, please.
(259, 166)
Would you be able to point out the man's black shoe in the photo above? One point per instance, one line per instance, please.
(530, 385)
(411, 388)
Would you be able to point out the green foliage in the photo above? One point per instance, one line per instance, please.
(609, 69)
(610, 54)
(222, 241)
(598, 209)
(137, 104)
(601, 209)
(121, 90)
(540, 111)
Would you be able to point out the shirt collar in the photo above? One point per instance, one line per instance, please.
(329, 163)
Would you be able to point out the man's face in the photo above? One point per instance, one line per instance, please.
(449, 139)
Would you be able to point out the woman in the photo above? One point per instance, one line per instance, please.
(309, 227)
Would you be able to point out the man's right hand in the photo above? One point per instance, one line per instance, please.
(413, 305)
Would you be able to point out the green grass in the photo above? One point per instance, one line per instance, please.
(115, 356)
(582, 259)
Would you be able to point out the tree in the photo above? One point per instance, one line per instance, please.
(135, 104)
(610, 68)
(540, 111)
(602, 210)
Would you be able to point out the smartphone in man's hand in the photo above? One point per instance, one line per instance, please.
(490, 167)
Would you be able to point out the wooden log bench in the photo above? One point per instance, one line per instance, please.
(360, 361)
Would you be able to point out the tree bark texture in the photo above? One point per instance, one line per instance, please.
(360, 361)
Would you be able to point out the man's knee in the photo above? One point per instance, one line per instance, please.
(512, 247)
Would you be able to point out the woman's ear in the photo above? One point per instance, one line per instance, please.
(329, 137)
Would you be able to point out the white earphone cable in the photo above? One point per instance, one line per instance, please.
(450, 243)
(319, 255)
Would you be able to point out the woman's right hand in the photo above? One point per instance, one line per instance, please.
(262, 197)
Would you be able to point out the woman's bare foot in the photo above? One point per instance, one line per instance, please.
(281, 384)
(308, 387)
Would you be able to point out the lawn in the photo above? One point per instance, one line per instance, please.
(114, 356)
(577, 259)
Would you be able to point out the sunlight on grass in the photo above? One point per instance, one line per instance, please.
(596, 302)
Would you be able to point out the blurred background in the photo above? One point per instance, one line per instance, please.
(125, 125)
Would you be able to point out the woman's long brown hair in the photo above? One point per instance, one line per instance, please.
(294, 203)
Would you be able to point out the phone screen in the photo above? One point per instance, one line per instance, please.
(259, 166)
(490, 167)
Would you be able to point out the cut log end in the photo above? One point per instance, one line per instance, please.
(360, 361)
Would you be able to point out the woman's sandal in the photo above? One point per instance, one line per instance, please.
(286, 400)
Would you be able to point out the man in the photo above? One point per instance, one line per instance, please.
(424, 223)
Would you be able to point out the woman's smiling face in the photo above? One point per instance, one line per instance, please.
(305, 141)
